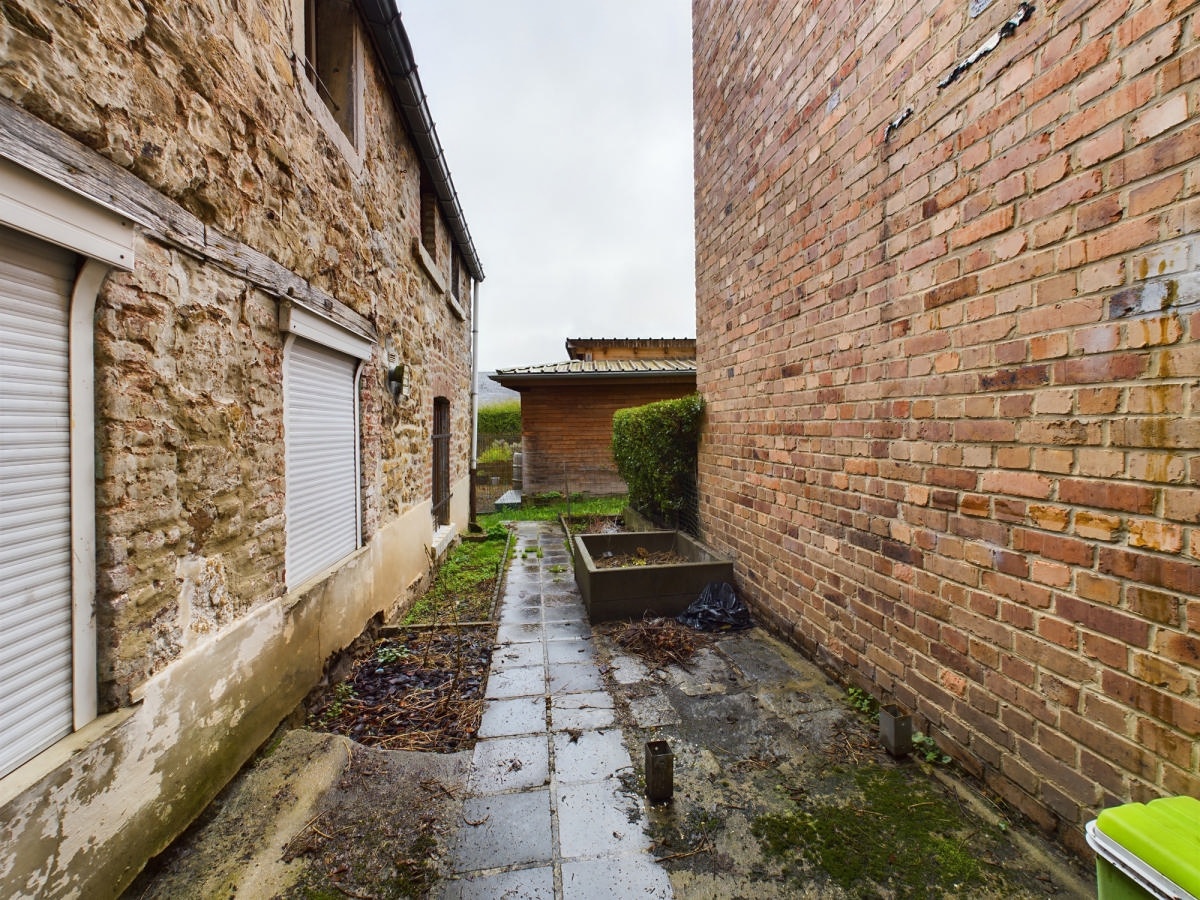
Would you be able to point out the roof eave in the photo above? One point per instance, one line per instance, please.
(391, 42)
(531, 378)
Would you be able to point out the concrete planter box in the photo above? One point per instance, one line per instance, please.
(633, 592)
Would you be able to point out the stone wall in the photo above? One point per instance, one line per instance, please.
(207, 105)
(949, 348)
(567, 433)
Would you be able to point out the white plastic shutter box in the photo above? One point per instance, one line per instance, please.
(36, 279)
(321, 444)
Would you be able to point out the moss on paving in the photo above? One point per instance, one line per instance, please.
(890, 833)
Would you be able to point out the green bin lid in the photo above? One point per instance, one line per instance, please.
(1164, 834)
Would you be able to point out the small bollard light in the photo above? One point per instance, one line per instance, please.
(660, 772)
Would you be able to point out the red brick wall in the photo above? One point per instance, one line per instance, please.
(567, 432)
(951, 373)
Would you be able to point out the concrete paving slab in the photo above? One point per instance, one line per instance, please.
(519, 682)
(589, 755)
(554, 599)
(654, 711)
(512, 829)
(575, 678)
(598, 819)
(707, 673)
(514, 656)
(628, 670)
(506, 718)
(519, 634)
(577, 651)
(558, 581)
(596, 711)
(560, 631)
(513, 614)
(520, 884)
(499, 765)
(522, 587)
(615, 879)
(589, 700)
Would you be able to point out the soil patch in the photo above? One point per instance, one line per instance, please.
(421, 689)
(639, 557)
(318, 816)
(383, 830)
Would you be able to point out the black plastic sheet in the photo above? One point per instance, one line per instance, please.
(716, 609)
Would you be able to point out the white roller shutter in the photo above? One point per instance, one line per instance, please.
(36, 279)
(321, 440)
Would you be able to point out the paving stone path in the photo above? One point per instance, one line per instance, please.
(548, 815)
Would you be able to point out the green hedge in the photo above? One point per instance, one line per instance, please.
(655, 448)
(500, 418)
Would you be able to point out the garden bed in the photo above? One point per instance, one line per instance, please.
(421, 689)
(644, 589)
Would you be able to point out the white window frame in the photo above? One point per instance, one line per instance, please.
(49, 211)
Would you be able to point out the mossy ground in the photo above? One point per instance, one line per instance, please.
(783, 791)
(884, 830)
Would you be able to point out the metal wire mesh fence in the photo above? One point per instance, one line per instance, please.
(494, 469)
(687, 516)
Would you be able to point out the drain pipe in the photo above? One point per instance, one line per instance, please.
(473, 525)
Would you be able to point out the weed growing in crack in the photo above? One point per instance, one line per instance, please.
(926, 747)
(864, 703)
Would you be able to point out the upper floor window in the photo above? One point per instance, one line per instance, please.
(332, 61)
(428, 217)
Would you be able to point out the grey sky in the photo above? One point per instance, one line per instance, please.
(567, 128)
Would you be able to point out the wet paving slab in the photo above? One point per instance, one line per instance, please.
(553, 810)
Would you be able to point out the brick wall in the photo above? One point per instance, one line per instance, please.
(567, 433)
(951, 367)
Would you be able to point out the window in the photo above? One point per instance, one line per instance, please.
(47, 456)
(428, 217)
(320, 421)
(331, 60)
(35, 497)
(441, 461)
(455, 274)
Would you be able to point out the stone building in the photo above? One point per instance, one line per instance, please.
(567, 408)
(236, 296)
(949, 346)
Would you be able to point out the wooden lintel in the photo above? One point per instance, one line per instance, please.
(29, 142)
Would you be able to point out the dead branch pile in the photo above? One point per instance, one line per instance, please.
(660, 641)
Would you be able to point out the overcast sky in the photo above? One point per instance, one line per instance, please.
(567, 127)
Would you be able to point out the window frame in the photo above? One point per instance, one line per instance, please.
(349, 134)
(441, 433)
